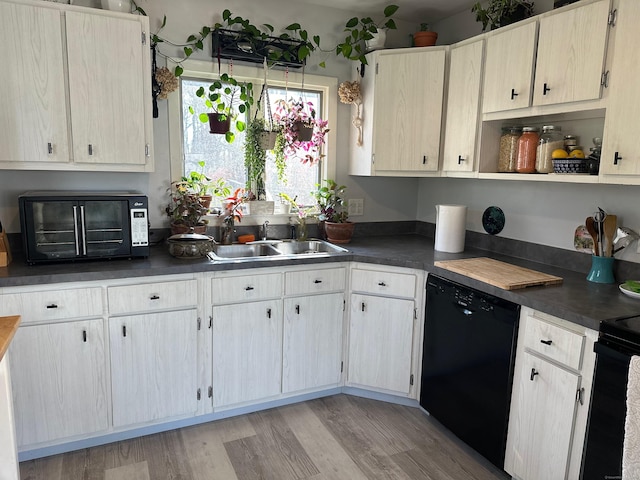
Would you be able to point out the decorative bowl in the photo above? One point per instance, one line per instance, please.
(569, 165)
(190, 245)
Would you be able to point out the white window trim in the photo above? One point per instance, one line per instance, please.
(276, 78)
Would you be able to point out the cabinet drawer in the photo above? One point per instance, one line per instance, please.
(384, 283)
(246, 288)
(152, 296)
(554, 342)
(315, 281)
(53, 304)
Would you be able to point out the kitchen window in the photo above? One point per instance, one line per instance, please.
(191, 141)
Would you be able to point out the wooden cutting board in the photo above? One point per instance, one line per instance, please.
(498, 274)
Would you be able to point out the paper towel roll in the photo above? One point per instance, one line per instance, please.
(451, 223)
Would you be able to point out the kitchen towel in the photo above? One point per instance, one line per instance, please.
(631, 450)
(451, 226)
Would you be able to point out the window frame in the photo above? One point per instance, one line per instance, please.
(276, 78)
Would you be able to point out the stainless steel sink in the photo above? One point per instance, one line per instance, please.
(308, 247)
(242, 251)
(272, 250)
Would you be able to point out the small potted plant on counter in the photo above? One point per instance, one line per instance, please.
(333, 216)
(186, 211)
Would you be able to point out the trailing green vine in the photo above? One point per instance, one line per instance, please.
(255, 157)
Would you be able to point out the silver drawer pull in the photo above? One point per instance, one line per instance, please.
(52, 305)
(546, 342)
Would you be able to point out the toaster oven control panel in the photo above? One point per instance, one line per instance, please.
(139, 227)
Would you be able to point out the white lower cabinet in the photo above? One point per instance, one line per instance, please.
(380, 341)
(59, 381)
(312, 349)
(153, 366)
(550, 398)
(247, 352)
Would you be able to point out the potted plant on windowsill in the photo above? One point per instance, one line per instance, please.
(226, 98)
(302, 133)
(185, 210)
(333, 215)
(499, 13)
(366, 30)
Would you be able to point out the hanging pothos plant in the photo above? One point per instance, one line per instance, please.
(255, 158)
(294, 117)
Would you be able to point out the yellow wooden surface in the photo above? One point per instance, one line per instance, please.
(8, 327)
(497, 273)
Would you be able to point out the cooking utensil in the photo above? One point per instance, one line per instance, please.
(190, 245)
(591, 228)
(624, 237)
(610, 225)
(598, 218)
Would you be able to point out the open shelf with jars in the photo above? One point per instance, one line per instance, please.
(583, 124)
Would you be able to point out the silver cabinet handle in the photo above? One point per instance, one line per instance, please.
(84, 231)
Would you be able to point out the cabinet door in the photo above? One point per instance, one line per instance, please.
(571, 51)
(33, 117)
(508, 70)
(312, 350)
(247, 352)
(408, 111)
(59, 381)
(153, 366)
(465, 75)
(620, 153)
(106, 83)
(541, 420)
(380, 338)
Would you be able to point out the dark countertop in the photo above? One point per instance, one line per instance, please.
(576, 299)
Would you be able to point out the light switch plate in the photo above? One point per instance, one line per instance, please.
(355, 206)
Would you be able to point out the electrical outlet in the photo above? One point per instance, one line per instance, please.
(355, 206)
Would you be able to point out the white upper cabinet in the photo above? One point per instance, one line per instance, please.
(571, 52)
(465, 77)
(77, 95)
(508, 71)
(620, 154)
(403, 94)
(566, 55)
(33, 112)
(106, 89)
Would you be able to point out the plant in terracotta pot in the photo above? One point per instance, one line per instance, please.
(498, 13)
(424, 37)
(365, 30)
(333, 215)
(302, 133)
(226, 98)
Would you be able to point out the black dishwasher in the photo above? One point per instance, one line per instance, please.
(467, 364)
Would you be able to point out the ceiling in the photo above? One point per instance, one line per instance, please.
(417, 11)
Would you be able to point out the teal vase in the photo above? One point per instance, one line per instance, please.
(601, 270)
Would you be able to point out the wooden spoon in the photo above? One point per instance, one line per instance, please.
(590, 223)
(610, 226)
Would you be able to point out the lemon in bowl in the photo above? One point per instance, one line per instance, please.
(576, 154)
(559, 153)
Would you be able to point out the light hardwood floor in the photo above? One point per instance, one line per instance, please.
(334, 438)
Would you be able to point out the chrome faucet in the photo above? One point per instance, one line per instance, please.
(265, 227)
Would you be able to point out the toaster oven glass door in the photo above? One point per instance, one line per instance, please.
(67, 229)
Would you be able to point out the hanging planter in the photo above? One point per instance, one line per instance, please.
(219, 123)
(268, 139)
(304, 133)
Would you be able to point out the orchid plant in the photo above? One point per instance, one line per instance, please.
(293, 115)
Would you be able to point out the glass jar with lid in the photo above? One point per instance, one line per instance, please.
(550, 140)
(527, 148)
(509, 149)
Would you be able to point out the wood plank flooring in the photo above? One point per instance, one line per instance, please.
(340, 437)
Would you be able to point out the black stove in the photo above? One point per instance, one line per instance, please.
(619, 340)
